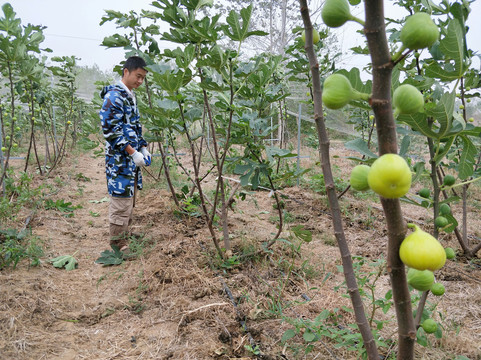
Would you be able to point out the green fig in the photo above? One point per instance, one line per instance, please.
(358, 178)
(421, 280)
(422, 251)
(407, 99)
(429, 325)
(335, 13)
(419, 31)
(337, 92)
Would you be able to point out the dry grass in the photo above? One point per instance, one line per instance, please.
(171, 303)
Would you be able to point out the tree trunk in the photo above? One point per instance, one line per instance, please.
(386, 130)
(349, 275)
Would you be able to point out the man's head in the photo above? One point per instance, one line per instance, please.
(133, 72)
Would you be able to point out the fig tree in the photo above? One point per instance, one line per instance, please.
(407, 99)
(421, 251)
(419, 32)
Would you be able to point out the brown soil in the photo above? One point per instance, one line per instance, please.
(172, 301)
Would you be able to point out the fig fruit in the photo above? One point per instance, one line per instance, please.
(421, 280)
(444, 209)
(407, 99)
(358, 179)
(441, 222)
(335, 13)
(438, 289)
(425, 193)
(449, 180)
(419, 31)
(390, 176)
(450, 254)
(429, 325)
(421, 251)
(337, 91)
(315, 37)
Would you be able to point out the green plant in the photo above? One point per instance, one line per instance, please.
(111, 257)
(65, 261)
(18, 245)
(62, 206)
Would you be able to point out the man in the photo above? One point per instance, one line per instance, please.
(125, 150)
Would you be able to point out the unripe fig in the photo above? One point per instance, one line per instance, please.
(407, 99)
(419, 31)
(444, 209)
(425, 193)
(421, 280)
(450, 254)
(438, 289)
(335, 13)
(429, 325)
(358, 179)
(421, 251)
(315, 36)
(441, 222)
(337, 92)
(449, 180)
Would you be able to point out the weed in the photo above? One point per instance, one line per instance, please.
(81, 177)
(329, 239)
(62, 206)
(16, 246)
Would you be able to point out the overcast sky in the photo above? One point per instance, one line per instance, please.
(73, 27)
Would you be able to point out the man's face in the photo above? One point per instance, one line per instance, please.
(133, 79)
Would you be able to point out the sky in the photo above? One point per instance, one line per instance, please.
(73, 27)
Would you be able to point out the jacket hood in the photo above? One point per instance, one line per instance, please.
(108, 88)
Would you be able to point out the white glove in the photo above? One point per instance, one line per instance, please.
(138, 158)
(147, 156)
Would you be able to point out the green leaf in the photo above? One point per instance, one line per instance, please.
(9, 23)
(289, 334)
(360, 146)
(114, 257)
(309, 336)
(301, 233)
(406, 142)
(467, 159)
(238, 31)
(65, 261)
(115, 41)
(443, 113)
(452, 46)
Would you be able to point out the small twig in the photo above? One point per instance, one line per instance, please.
(195, 310)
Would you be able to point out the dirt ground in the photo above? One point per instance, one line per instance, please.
(175, 300)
